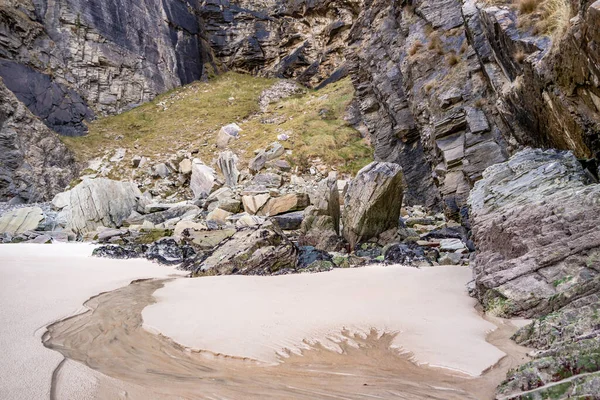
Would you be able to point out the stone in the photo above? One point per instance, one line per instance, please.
(185, 166)
(120, 252)
(450, 259)
(166, 252)
(477, 120)
(403, 254)
(373, 202)
(258, 162)
(325, 201)
(98, 202)
(268, 180)
(274, 150)
(282, 165)
(160, 171)
(451, 245)
(227, 164)
(261, 250)
(311, 259)
(136, 161)
(253, 204)
(203, 179)
(284, 204)
(249, 220)
(290, 221)
(21, 220)
(231, 205)
(227, 134)
(41, 239)
(106, 234)
(175, 214)
(218, 215)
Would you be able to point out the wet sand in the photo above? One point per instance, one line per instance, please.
(111, 339)
(40, 284)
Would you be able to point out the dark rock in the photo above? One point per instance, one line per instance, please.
(404, 254)
(168, 252)
(290, 221)
(314, 260)
(120, 252)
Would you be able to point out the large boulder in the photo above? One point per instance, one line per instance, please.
(260, 250)
(97, 202)
(21, 220)
(203, 179)
(373, 202)
(535, 225)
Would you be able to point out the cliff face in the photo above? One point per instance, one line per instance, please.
(34, 163)
(103, 56)
(444, 88)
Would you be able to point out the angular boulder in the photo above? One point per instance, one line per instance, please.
(261, 250)
(284, 204)
(373, 202)
(227, 134)
(321, 225)
(97, 202)
(203, 179)
(227, 164)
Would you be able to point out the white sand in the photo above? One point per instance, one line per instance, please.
(257, 317)
(40, 284)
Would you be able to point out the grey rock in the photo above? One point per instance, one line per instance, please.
(178, 212)
(227, 164)
(203, 179)
(274, 150)
(258, 162)
(161, 171)
(21, 220)
(373, 201)
(98, 202)
(226, 134)
(290, 221)
(34, 163)
(268, 180)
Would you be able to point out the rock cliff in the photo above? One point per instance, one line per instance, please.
(34, 163)
(443, 88)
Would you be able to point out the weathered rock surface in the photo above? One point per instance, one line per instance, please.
(21, 220)
(34, 163)
(261, 250)
(321, 225)
(227, 164)
(535, 224)
(373, 201)
(97, 202)
(203, 179)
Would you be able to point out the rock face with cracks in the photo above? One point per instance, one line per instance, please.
(97, 202)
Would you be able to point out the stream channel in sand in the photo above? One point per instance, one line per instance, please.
(111, 338)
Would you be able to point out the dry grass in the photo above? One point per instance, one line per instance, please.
(520, 56)
(544, 17)
(452, 59)
(435, 43)
(189, 118)
(416, 46)
(527, 6)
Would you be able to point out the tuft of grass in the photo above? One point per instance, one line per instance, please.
(416, 46)
(190, 117)
(555, 18)
(527, 6)
(452, 59)
(520, 56)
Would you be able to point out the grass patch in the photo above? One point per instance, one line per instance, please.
(190, 117)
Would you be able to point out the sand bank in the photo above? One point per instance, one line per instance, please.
(260, 317)
(40, 284)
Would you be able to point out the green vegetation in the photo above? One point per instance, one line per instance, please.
(190, 117)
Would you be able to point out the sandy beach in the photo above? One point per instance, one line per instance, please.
(354, 334)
